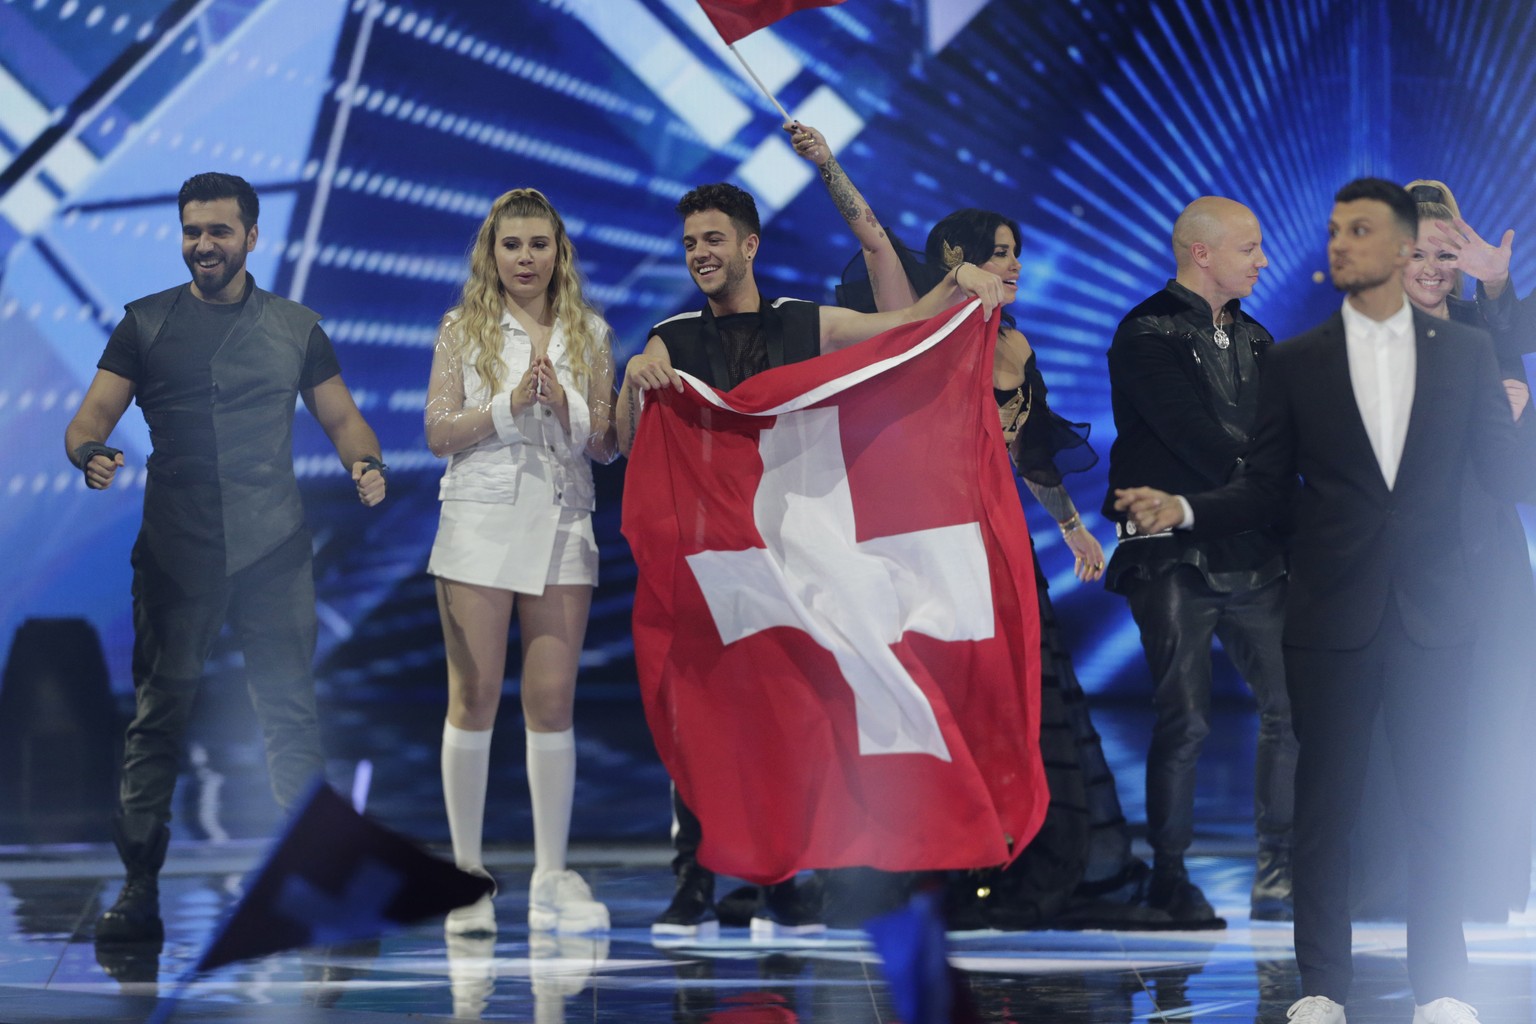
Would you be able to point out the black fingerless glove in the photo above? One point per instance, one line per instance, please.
(83, 455)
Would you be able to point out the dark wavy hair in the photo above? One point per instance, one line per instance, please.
(970, 235)
(735, 203)
(971, 231)
(1397, 198)
(211, 186)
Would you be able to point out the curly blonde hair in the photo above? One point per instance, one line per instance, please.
(478, 314)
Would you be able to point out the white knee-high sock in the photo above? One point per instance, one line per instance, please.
(466, 763)
(551, 787)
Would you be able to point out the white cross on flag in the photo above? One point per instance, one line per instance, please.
(835, 620)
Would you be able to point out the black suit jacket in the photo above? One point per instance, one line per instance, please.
(1355, 543)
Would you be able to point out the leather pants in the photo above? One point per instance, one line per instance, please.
(1178, 615)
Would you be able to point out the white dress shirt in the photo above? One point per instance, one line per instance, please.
(1382, 363)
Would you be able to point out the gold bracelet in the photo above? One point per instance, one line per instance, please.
(1071, 525)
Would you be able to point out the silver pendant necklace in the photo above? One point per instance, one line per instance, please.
(1221, 339)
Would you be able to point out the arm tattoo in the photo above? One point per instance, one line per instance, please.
(634, 421)
(843, 194)
(1054, 500)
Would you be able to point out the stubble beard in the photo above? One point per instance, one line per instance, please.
(1360, 283)
(725, 281)
(224, 274)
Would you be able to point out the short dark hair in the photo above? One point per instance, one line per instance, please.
(1394, 195)
(735, 203)
(211, 186)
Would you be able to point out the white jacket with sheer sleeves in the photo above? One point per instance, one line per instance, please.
(490, 449)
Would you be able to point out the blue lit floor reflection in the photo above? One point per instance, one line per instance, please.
(49, 969)
(51, 896)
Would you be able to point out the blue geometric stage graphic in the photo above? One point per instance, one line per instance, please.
(378, 132)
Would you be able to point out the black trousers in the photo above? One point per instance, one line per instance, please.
(1335, 696)
(687, 833)
(271, 607)
(1178, 615)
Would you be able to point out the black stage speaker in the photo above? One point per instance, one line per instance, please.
(60, 736)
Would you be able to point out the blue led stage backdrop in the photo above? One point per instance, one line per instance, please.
(378, 132)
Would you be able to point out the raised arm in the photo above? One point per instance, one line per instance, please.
(1486, 262)
(843, 327)
(887, 279)
(85, 438)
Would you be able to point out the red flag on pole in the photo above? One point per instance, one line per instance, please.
(734, 19)
(835, 621)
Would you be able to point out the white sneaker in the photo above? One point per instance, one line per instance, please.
(471, 973)
(560, 901)
(561, 965)
(1444, 1011)
(1315, 1010)
(479, 918)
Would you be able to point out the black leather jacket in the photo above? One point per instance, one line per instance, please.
(1175, 431)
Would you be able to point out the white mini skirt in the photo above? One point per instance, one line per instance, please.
(522, 547)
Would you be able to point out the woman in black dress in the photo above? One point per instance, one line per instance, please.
(1078, 871)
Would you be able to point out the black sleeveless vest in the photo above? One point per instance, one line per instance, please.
(791, 333)
(256, 374)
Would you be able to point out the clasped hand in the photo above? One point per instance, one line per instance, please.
(539, 386)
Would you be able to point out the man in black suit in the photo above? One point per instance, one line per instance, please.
(1184, 370)
(1385, 415)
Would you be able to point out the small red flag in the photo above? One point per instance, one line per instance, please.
(734, 19)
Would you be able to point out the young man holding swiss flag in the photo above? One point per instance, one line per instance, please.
(725, 497)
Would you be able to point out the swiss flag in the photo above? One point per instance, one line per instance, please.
(835, 620)
(734, 19)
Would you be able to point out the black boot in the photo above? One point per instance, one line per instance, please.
(130, 963)
(1271, 898)
(1173, 892)
(135, 917)
(691, 914)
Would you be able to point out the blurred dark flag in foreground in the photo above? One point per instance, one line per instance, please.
(925, 989)
(335, 876)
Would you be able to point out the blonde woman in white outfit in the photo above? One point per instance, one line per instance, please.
(521, 401)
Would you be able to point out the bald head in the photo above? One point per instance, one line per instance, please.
(1218, 248)
(1207, 220)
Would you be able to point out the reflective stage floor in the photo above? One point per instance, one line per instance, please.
(49, 968)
